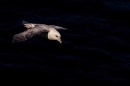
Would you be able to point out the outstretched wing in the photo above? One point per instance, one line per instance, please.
(28, 25)
(58, 27)
(27, 34)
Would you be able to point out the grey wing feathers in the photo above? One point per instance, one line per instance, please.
(19, 38)
(28, 25)
(25, 35)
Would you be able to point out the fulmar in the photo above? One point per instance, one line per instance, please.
(36, 29)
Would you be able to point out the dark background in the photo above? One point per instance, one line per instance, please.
(95, 49)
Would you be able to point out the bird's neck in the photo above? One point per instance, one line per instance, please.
(50, 36)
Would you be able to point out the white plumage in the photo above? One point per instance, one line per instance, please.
(36, 29)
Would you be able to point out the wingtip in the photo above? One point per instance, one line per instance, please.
(66, 29)
(24, 22)
(12, 41)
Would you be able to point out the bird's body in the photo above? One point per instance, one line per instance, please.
(37, 29)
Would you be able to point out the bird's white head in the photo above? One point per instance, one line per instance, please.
(54, 35)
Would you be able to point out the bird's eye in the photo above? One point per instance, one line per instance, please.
(56, 36)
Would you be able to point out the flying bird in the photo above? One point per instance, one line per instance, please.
(36, 29)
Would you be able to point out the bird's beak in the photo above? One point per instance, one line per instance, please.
(60, 41)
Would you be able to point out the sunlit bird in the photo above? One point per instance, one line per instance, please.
(36, 29)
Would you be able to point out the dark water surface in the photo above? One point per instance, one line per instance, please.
(94, 50)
